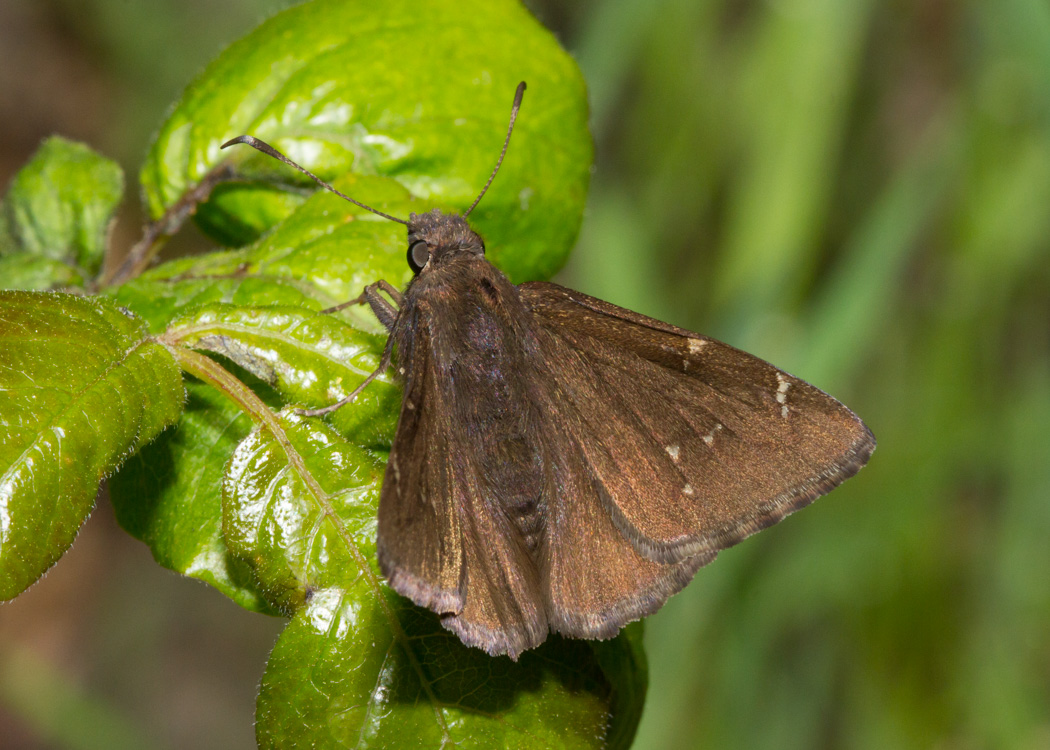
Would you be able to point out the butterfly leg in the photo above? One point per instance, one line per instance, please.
(382, 309)
(384, 362)
(387, 314)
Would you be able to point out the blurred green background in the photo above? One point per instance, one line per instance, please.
(857, 191)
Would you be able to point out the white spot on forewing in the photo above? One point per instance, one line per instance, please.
(709, 438)
(782, 389)
(672, 451)
(695, 345)
(687, 490)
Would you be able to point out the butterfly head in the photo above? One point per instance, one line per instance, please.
(435, 237)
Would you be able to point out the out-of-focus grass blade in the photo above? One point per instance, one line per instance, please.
(798, 81)
(846, 319)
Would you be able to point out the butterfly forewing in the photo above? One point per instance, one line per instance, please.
(420, 539)
(695, 444)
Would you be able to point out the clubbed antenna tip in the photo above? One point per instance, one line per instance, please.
(510, 129)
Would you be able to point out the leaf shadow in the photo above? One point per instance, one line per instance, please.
(168, 495)
(470, 679)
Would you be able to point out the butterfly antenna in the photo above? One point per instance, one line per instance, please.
(510, 129)
(269, 150)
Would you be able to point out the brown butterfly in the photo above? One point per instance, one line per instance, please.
(562, 464)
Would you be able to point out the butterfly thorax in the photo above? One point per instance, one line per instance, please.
(479, 341)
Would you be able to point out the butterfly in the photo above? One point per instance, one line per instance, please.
(561, 464)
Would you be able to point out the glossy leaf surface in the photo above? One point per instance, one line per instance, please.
(417, 91)
(310, 359)
(169, 495)
(322, 254)
(340, 677)
(257, 308)
(300, 508)
(81, 386)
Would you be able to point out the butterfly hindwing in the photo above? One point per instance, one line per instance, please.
(564, 464)
(597, 582)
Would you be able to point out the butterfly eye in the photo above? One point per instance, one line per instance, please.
(418, 255)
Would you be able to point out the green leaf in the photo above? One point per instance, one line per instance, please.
(339, 676)
(359, 665)
(624, 663)
(249, 305)
(322, 254)
(37, 273)
(311, 359)
(327, 82)
(59, 207)
(168, 495)
(280, 496)
(81, 387)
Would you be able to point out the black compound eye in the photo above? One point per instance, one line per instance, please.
(418, 255)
